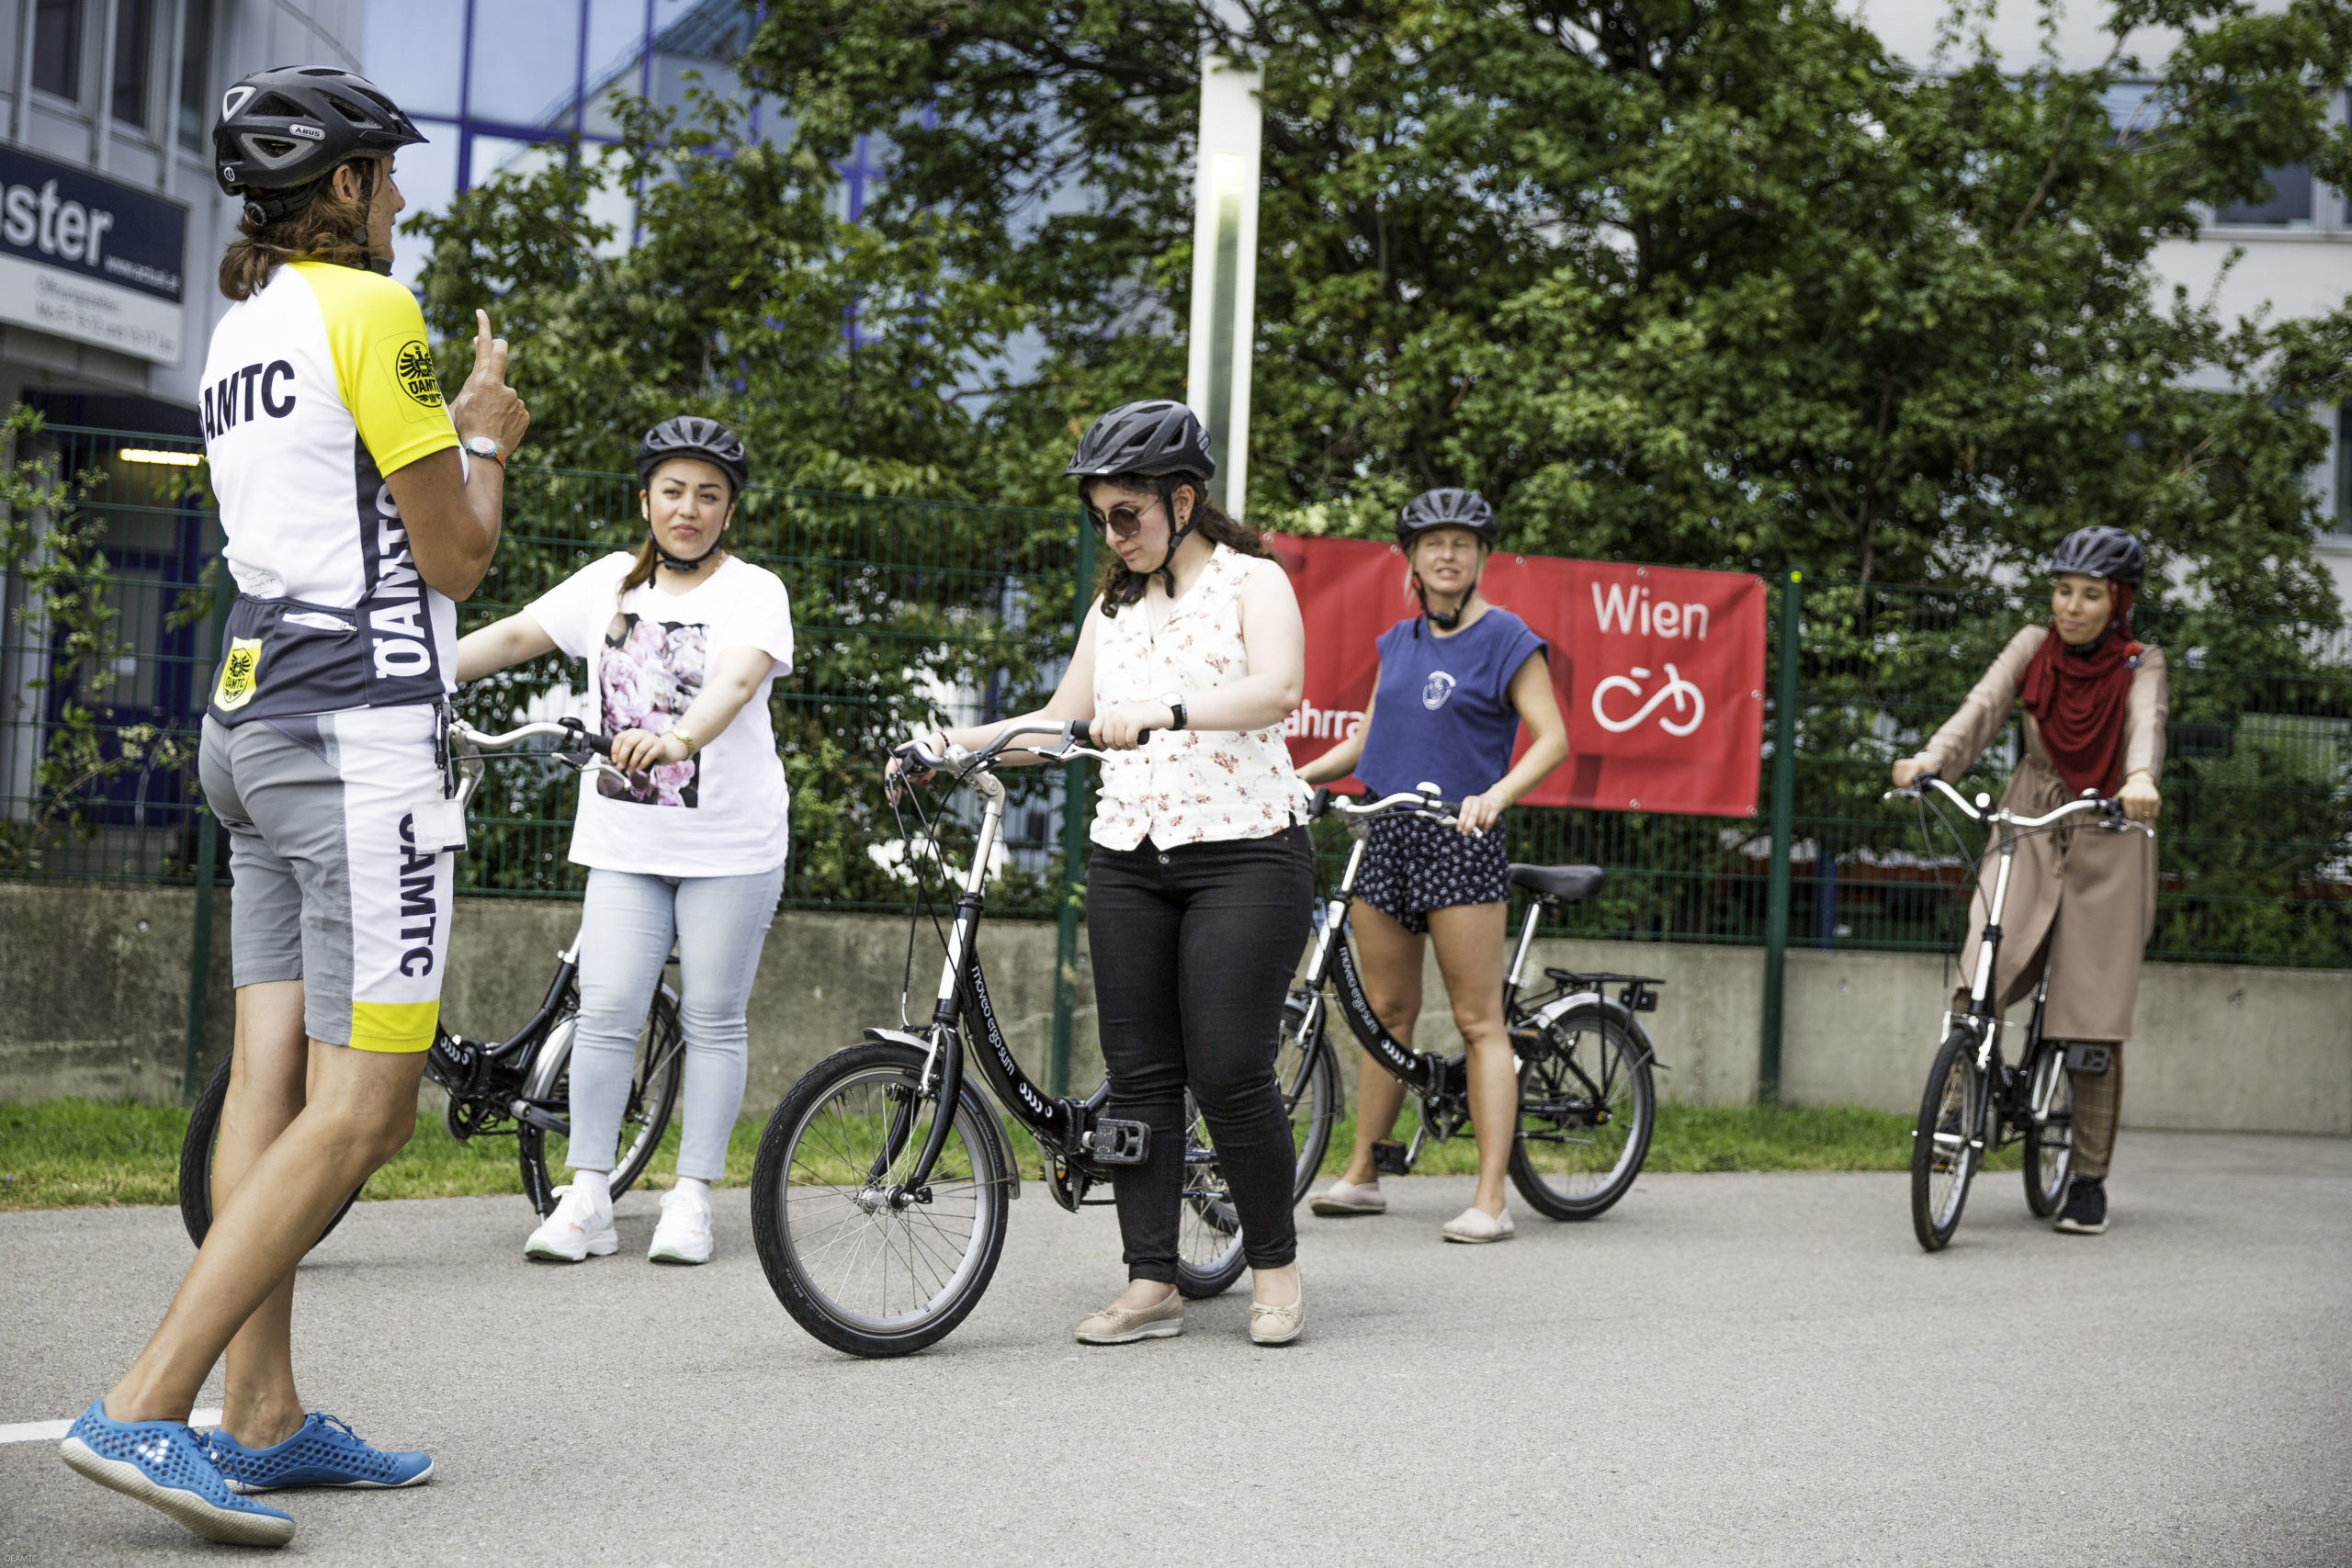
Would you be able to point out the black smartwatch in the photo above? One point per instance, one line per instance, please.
(1175, 701)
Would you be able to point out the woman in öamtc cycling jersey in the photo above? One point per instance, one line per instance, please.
(1199, 891)
(1456, 682)
(353, 522)
(684, 640)
(2080, 901)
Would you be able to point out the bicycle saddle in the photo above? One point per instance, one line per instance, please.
(1564, 884)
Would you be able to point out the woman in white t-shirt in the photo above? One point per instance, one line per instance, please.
(682, 641)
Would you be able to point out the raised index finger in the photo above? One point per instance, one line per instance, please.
(490, 352)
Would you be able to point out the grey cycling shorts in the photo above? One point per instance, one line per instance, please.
(329, 886)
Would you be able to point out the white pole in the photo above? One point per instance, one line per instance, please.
(1225, 270)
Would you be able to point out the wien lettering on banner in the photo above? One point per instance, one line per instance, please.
(1660, 671)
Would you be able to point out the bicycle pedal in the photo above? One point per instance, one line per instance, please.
(1114, 1142)
(1388, 1159)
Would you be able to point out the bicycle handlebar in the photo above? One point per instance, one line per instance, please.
(2107, 808)
(1436, 807)
(1077, 740)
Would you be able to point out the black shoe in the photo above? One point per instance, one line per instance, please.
(2085, 1210)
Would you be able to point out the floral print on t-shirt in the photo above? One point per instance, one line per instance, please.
(650, 673)
(1191, 786)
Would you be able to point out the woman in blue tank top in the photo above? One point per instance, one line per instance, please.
(1456, 682)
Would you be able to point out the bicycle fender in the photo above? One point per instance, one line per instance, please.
(982, 1110)
(1616, 1010)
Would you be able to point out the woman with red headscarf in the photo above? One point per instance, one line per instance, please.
(2082, 902)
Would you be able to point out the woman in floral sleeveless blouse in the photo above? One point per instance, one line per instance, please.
(1200, 892)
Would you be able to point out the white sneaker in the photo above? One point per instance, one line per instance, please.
(683, 1235)
(577, 1229)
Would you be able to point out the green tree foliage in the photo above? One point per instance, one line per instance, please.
(1715, 282)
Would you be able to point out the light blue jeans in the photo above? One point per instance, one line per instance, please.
(626, 927)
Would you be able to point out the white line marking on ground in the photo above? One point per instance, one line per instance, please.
(50, 1431)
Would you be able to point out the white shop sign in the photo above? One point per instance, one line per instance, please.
(86, 258)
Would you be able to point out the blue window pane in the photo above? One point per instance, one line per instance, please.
(414, 52)
(2289, 205)
(526, 62)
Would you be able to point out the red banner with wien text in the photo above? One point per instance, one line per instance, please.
(1659, 671)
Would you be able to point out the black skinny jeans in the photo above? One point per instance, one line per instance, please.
(1192, 950)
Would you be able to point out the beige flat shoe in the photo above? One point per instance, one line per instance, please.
(1344, 1198)
(1125, 1326)
(1475, 1224)
(1278, 1325)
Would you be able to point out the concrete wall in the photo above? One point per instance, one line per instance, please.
(94, 1000)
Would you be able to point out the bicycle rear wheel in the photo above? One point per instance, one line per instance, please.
(1309, 1077)
(1947, 1146)
(2048, 1135)
(196, 1147)
(1586, 1106)
(652, 1096)
(858, 1272)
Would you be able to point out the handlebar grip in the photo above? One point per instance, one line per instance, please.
(600, 744)
(1318, 803)
(1081, 731)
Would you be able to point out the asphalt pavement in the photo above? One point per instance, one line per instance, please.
(1726, 1368)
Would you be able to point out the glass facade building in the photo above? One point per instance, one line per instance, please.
(492, 82)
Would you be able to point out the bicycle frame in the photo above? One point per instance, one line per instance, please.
(1066, 1128)
(1440, 1082)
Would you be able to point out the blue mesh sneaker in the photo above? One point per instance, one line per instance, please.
(322, 1452)
(165, 1465)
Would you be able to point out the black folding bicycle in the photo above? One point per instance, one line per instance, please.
(878, 1196)
(521, 1085)
(1975, 1100)
(1587, 1101)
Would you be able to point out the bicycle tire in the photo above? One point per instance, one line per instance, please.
(1558, 1171)
(2049, 1141)
(1945, 1148)
(823, 1155)
(196, 1162)
(652, 1097)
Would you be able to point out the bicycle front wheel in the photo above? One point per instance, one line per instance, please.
(196, 1162)
(1586, 1106)
(654, 1076)
(862, 1266)
(1309, 1077)
(1947, 1146)
(2048, 1130)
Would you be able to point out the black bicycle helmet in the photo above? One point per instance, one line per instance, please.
(284, 131)
(2101, 552)
(1446, 509)
(1159, 440)
(692, 435)
(1152, 439)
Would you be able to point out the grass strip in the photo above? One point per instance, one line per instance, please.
(65, 1154)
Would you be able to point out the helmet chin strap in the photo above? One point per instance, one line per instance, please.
(1443, 620)
(1166, 569)
(681, 563)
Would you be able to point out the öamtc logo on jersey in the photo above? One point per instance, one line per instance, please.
(266, 389)
(414, 366)
(400, 641)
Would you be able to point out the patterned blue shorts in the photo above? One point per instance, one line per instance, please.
(1412, 865)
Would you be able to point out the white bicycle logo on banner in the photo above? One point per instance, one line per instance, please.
(1677, 689)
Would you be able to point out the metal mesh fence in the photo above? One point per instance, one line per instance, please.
(910, 610)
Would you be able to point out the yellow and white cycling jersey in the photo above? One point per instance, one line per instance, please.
(314, 388)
